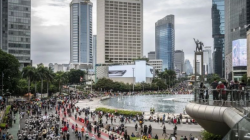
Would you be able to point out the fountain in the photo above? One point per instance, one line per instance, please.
(161, 103)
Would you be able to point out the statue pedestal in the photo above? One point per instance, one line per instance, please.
(195, 70)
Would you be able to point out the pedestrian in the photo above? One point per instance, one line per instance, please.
(64, 137)
(164, 130)
(221, 89)
(14, 119)
(73, 127)
(136, 127)
(79, 136)
(68, 135)
(215, 93)
(82, 130)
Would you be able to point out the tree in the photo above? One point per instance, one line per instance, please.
(28, 72)
(42, 71)
(104, 84)
(36, 78)
(212, 77)
(49, 77)
(75, 75)
(60, 78)
(22, 86)
(9, 66)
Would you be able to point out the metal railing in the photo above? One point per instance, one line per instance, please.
(238, 99)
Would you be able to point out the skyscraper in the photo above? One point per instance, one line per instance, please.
(207, 60)
(218, 33)
(165, 41)
(81, 31)
(237, 13)
(119, 30)
(94, 50)
(151, 55)
(188, 67)
(15, 22)
(179, 60)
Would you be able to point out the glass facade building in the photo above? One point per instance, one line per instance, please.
(236, 25)
(94, 50)
(165, 41)
(218, 33)
(81, 31)
(15, 29)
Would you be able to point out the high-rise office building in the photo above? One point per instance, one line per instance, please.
(207, 60)
(237, 13)
(188, 67)
(179, 60)
(15, 29)
(165, 41)
(151, 56)
(94, 50)
(119, 30)
(81, 31)
(198, 67)
(218, 33)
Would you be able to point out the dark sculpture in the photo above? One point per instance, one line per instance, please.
(199, 45)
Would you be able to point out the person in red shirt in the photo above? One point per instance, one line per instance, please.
(221, 89)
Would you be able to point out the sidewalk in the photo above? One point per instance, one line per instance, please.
(15, 127)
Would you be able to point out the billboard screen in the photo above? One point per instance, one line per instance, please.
(140, 71)
(121, 71)
(239, 52)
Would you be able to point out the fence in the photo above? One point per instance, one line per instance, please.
(224, 97)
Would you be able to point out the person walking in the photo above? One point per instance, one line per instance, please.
(164, 130)
(68, 135)
(136, 126)
(82, 130)
(79, 136)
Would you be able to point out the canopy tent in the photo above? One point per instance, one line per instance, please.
(28, 95)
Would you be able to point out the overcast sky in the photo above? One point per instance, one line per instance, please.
(51, 27)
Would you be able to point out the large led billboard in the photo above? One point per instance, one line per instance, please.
(239, 53)
(140, 71)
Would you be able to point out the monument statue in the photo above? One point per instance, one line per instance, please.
(199, 45)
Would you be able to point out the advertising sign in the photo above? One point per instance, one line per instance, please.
(239, 53)
(140, 71)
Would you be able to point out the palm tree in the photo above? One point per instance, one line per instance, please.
(28, 72)
(60, 78)
(42, 74)
(49, 77)
(36, 78)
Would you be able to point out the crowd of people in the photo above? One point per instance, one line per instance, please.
(59, 118)
(221, 90)
(180, 88)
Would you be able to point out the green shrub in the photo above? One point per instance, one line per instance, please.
(210, 136)
(3, 125)
(135, 138)
(7, 111)
(119, 112)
